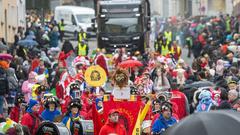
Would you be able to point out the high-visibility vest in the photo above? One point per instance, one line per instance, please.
(168, 36)
(61, 26)
(178, 50)
(165, 50)
(228, 25)
(82, 50)
(82, 36)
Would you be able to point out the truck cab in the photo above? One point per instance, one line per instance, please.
(123, 24)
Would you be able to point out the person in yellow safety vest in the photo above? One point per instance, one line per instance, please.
(82, 49)
(176, 50)
(82, 36)
(164, 47)
(61, 29)
(168, 36)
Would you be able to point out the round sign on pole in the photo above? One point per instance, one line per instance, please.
(95, 76)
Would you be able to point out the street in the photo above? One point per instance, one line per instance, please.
(146, 86)
(93, 45)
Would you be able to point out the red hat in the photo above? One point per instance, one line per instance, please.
(112, 111)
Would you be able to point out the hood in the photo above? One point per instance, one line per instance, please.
(10, 71)
(84, 26)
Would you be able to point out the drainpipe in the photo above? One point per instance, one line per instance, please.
(6, 26)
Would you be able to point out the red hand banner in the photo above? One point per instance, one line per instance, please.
(128, 114)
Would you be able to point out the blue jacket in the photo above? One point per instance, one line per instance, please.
(161, 124)
(71, 126)
(54, 37)
(48, 115)
(66, 118)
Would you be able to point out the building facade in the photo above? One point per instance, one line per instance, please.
(83, 3)
(212, 7)
(167, 8)
(236, 7)
(12, 16)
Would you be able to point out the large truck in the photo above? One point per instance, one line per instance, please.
(123, 24)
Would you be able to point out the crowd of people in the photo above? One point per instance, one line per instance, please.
(46, 82)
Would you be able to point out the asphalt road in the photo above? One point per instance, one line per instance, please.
(93, 45)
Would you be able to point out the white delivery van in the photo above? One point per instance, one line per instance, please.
(75, 19)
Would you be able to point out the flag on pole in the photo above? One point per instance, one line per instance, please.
(137, 127)
(145, 110)
(128, 114)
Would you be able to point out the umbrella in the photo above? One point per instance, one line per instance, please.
(3, 46)
(199, 84)
(208, 123)
(130, 64)
(28, 42)
(6, 56)
(31, 35)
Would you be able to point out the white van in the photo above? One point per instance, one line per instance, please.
(75, 19)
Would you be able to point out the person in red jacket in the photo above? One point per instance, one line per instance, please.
(19, 109)
(180, 100)
(112, 126)
(87, 100)
(202, 39)
(31, 119)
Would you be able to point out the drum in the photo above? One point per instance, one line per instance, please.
(87, 127)
(146, 126)
(49, 128)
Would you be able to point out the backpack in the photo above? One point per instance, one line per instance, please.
(4, 86)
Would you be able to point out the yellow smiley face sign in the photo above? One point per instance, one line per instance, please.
(95, 76)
